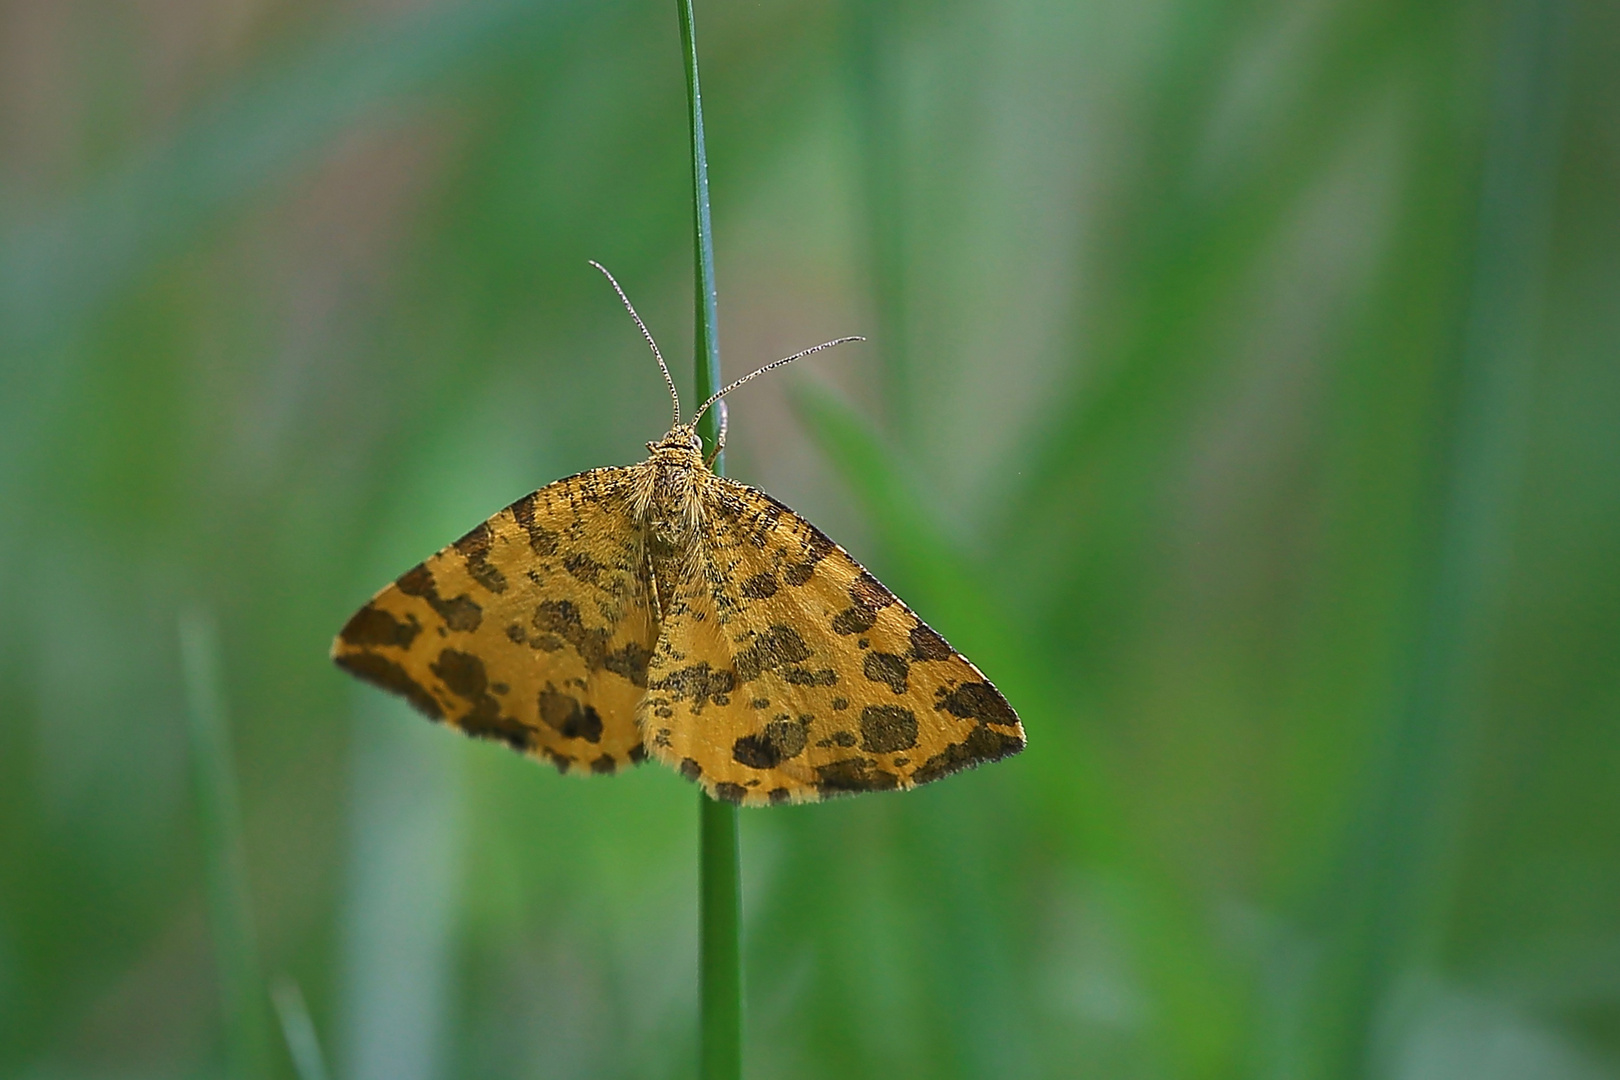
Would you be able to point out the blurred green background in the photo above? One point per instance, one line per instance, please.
(1242, 393)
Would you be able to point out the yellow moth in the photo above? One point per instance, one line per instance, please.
(658, 610)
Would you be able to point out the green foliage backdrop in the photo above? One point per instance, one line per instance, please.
(1242, 394)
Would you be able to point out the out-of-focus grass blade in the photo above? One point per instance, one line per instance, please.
(219, 819)
(1401, 864)
(298, 1029)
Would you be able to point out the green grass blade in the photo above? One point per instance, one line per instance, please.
(219, 818)
(298, 1029)
(706, 350)
(720, 885)
(720, 973)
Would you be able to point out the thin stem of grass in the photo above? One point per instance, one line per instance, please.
(720, 885)
(219, 818)
(303, 1045)
(705, 318)
(721, 963)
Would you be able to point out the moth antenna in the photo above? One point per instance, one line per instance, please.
(773, 364)
(669, 382)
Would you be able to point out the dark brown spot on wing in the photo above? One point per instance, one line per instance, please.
(691, 769)
(882, 667)
(854, 619)
(383, 672)
(604, 765)
(853, 775)
(698, 683)
(541, 539)
(371, 625)
(817, 548)
(559, 621)
(867, 597)
(630, 661)
(485, 722)
(731, 793)
(926, 644)
(459, 613)
(982, 744)
(474, 548)
(583, 567)
(887, 728)
(776, 647)
(868, 591)
(560, 617)
(977, 701)
(778, 741)
(761, 586)
(564, 713)
(462, 674)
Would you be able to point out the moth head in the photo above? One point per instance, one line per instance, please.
(682, 438)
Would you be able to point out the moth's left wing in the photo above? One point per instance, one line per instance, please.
(534, 629)
(785, 672)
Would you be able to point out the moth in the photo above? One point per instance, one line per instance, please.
(659, 610)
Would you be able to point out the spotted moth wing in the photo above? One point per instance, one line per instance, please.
(534, 629)
(785, 672)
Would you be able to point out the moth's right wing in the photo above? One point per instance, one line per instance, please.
(535, 628)
(785, 672)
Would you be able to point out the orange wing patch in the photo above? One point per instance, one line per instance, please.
(785, 672)
(535, 628)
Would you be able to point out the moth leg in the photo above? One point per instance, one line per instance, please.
(720, 440)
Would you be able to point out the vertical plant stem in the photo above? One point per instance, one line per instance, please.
(219, 816)
(706, 352)
(720, 883)
(721, 964)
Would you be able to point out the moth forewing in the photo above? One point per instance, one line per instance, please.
(535, 628)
